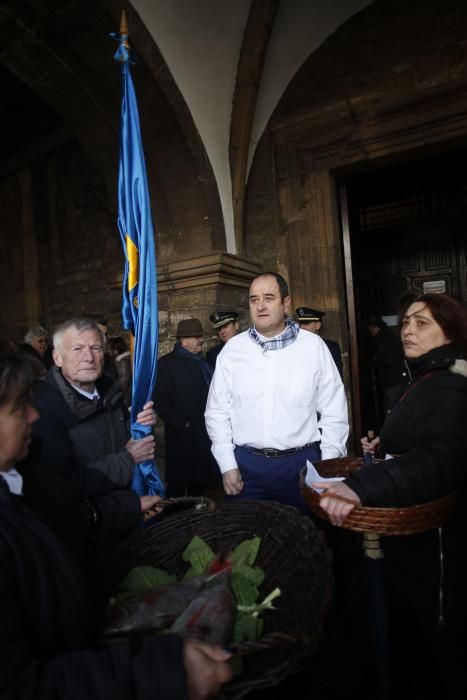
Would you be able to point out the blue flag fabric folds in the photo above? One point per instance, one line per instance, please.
(139, 307)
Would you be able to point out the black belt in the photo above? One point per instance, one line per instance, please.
(272, 452)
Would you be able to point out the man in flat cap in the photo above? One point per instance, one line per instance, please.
(226, 326)
(183, 379)
(311, 320)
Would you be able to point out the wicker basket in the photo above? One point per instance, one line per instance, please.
(384, 521)
(293, 555)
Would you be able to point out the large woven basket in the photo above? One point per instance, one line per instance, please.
(293, 555)
(384, 521)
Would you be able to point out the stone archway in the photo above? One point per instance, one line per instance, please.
(68, 260)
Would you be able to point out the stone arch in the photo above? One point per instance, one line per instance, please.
(63, 56)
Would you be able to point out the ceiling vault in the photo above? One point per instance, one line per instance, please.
(250, 67)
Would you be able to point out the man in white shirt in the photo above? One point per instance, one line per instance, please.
(269, 385)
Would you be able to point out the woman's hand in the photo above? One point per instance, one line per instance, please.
(336, 508)
(369, 446)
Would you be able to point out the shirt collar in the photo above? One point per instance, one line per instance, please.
(88, 394)
(14, 481)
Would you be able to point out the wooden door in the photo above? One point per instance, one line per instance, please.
(404, 232)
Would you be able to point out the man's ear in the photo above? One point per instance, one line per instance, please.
(57, 358)
(286, 304)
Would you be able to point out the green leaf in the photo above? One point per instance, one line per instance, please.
(144, 578)
(246, 578)
(246, 552)
(200, 556)
(244, 590)
(247, 628)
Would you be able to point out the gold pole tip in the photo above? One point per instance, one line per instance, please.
(123, 23)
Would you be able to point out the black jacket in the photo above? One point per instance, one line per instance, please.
(180, 397)
(212, 354)
(47, 632)
(427, 428)
(335, 351)
(75, 430)
(86, 511)
(387, 360)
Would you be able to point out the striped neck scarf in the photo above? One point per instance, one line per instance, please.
(288, 336)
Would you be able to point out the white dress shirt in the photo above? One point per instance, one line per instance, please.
(14, 481)
(271, 399)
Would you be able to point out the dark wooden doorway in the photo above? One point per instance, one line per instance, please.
(404, 230)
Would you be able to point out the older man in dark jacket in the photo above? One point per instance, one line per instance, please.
(83, 419)
(183, 379)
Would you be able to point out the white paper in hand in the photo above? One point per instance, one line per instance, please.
(312, 475)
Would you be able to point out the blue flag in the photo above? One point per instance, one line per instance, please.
(139, 308)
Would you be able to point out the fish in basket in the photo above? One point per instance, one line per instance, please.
(293, 555)
(408, 520)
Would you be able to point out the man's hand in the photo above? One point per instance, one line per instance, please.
(148, 502)
(150, 506)
(233, 482)
(147, 416)
(142, 450)
(206, 669)
(336, 508)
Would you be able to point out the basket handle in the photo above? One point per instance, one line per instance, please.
(269, 641)
(199, 503)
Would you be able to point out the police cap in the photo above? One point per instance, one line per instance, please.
(304, 313)
(222, 318)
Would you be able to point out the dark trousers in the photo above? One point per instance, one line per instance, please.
(274, 478)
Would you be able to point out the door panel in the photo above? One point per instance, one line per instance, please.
(406, 230)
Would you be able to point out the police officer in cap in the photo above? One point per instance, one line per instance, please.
(226, 326)
(310, 320)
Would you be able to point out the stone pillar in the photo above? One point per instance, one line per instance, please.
(196, 287)
(321, 253)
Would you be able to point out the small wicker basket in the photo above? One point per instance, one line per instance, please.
(293, 555)
(384, 521)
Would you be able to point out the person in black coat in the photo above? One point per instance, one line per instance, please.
(311, 320)
(226, 326)
(180, 394)
(48, 623)
(386, 362)
(425, 433)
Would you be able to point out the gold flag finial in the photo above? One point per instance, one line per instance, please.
(123, 23)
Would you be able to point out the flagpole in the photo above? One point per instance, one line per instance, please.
(139, 287)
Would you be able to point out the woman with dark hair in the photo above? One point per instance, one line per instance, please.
(48, 638)
(425, 433)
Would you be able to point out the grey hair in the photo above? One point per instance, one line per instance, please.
(80, 323)
(37, 332)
